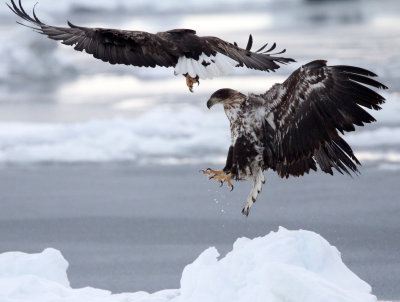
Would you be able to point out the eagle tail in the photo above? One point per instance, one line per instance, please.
(258, 181)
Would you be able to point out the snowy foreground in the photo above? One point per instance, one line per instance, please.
(282, 266)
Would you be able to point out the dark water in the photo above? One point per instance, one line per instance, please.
(127, 228)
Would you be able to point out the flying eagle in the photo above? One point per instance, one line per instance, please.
(295, 126)
(192, 56)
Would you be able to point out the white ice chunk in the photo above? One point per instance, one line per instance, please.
(284, 266)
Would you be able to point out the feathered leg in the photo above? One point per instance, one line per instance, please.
(258, 181)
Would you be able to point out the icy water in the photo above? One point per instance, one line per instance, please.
(101, 161)
(126, 228)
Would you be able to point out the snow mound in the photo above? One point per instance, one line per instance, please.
(163, 135)
(156, 136)
(49, 265)
(282, 266)
(288, 266)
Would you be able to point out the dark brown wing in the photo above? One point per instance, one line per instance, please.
(136, 48)
(335, 154)
(316, 102)
(259, 60)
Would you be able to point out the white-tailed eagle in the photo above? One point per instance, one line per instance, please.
(294, 127)
(192, 56)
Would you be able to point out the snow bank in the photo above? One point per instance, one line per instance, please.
(163, 135)
(159, 135)
(288, 266)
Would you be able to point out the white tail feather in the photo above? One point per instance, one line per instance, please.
(190, 69)
(223, 63)
(216, 65)
(199, 69)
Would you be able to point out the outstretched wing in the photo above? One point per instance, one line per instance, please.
(259, 60)
(136, 48)
(182, 48)
(316, 102)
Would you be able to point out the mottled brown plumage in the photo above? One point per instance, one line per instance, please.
(295, 126)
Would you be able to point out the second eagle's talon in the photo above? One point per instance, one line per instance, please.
(220, 177)
(190, 81)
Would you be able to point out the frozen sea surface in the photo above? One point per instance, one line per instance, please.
(127, 228)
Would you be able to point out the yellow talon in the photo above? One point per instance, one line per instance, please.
(190, 81)
(223, 178)
(219, 177)
(212, 173)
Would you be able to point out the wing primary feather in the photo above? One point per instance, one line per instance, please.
(365, 80)
(33, 12)
(12, 9)
(279, 53)
(22, 9)
(31, 27)
(72, 25)
(249, 43)
(353, 69)
(271, 48)
(19, 13)
(262, 48)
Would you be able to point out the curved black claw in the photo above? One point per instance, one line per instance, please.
(232, 188)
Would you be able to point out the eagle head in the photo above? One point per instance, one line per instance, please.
(226, 96)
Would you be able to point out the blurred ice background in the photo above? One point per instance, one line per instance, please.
(118, 197)
(59, 105)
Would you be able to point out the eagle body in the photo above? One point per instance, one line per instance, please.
(294, 127)
(193, 56)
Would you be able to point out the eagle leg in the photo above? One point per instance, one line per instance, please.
(258, 181)
(190, 81)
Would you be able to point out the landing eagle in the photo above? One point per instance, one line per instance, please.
(192, 56)
(294, 127)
